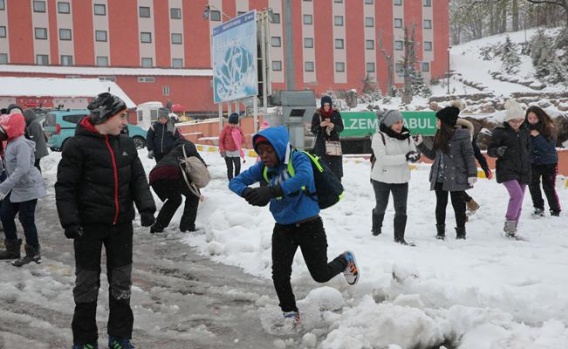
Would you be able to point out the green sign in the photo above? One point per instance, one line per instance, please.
(363, 124)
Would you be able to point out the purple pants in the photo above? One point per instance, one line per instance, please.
(516, 191)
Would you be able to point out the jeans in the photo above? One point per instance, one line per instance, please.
(26, 214)
(458, 204)
(399, 196)
(310, 237)
(233, 162)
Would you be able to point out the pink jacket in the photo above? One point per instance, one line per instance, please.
(226, 139)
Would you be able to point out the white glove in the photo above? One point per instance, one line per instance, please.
(2, 196)
(418, 139)
(150, 154)
(471, 181)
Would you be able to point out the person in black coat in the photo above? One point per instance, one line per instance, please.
(169, 184)
(99, 179)
(326, 126)
(161, 136)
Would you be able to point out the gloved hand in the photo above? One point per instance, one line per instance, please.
(2, 196)
(73, 231)
(261, 196)
(222, 154)
(150, 154)
(147, 219)
(488, 173)
(418, 139)
(501, 150)
(412, 156)
(471, 181)
(245, 192)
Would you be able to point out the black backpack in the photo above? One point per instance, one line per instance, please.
(329, 189)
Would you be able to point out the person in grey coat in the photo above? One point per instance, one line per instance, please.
(34, 131)
(19, 191)
(453, 170)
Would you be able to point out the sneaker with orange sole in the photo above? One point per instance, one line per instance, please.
(351, 271)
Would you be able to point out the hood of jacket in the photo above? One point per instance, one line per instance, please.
(14, 126)
(279, 139)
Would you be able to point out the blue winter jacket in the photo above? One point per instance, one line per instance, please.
(543, 151)
(296, 205)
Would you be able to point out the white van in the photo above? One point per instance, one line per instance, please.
(147, 113)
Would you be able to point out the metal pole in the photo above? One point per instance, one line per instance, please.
(289, 49)
(220, 107)
(263, 61)
(449, 69)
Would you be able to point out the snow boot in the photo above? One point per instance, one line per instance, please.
(377, 223)
(156, 228)
(460, 233)
(185, 225)
(510, 227)
(472, 206)
(12, 250)
(538, 212)
(399, 228)
(441, 231)
(32, 255)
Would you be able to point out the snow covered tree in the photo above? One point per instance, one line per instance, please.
(510, 57)
(419, 86)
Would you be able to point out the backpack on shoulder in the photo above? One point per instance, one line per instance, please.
(329, 189)
(195, 173)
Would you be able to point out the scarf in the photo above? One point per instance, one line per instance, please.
(404, 133)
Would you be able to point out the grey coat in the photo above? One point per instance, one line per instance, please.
(24, 179)
(458, 164)
(36, 134)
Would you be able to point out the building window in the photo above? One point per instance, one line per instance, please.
(2, 31)
(3, 57)
(399, 69)
(177, 39)
(427, 24)
(276, 18)
(369, 22)
(177, 63)
(101, 35)
(370, 44)
(397, 2)
(398, 22)
(276, 65)
(369, 2)
(102, 61)
(41, 33)
(308, 20)
(338, 21)
(147, 62)
(427, 3)
(100, 10)
(39, 6)
(339, 44)
(42, 59)
(63, 7)
(175, 13)
(309, 66)
(425, 66)
(3, 7)
(338, 1)
(64, 34)
(146, 79)
(308, 42)
(398, 45)
(275, 41)
(66, 60)
(370, 67)
(146, 38)
(165, 90)
(340, 67)
(240, 13)
(215, 15)
(107, 78)
(144, 12)
(427, 45)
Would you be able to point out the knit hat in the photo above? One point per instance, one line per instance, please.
(163, 113)
(448, 115)
(326, 99)
(104, 107)
(260, 139)
(514, 110)
(234, 118)
(390, 117)
(11, 108)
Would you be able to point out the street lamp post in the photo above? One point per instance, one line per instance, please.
(448, 82)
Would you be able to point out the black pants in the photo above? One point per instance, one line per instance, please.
(233, 163)
(118, 245)
(399, 196)
(458, 204)
(26, 214)
(171, 191)
(546, 173)
(311, 239)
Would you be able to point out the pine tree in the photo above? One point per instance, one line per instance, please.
(510, 57)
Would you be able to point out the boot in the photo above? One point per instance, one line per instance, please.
(510, 227)
(12, 249)
(472, 206)
(460, 233)
(377, 223)
(399, 228)
(185, 225)
(32, 255)
(441, 231)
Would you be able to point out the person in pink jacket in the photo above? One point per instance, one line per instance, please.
(231, 140)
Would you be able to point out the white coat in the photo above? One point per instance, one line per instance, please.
(391, 165)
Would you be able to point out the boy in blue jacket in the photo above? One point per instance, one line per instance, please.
(298, 223)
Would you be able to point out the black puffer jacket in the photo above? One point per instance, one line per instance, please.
(98, 179)
(172, 158)
(514, 164)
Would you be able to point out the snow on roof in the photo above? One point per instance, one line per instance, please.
(55, 87)
(98, 71)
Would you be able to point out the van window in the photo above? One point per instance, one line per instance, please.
(73, 118)
(153, 115)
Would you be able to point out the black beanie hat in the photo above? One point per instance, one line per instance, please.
(326, 99)
(233, 118)
(448, 115)
(104, 107)
(12, 107)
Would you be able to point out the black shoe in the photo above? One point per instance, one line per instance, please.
(376, 231)
(156, 229)
(555, 213)
(441, 237)
(404, 242)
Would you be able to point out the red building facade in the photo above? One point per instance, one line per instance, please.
(159, 50)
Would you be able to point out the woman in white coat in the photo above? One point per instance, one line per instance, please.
(393, 149)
